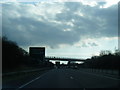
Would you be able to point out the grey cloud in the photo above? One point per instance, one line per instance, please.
(89, 44)
(24, 27)
(96, 22)
(84, 45)
(29, 31)
(101, 3)
(74, 6)
(93, 44)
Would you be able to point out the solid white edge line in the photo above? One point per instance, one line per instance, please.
(22, 86)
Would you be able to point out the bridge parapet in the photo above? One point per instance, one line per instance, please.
(63, 58)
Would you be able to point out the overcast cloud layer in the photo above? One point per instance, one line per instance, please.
(58, 23)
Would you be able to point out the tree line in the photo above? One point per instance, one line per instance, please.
(105, 60)
(14, 57)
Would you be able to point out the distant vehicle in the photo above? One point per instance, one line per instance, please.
(74, 67)
(58, 64)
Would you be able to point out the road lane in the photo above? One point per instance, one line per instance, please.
(71, 78)
(56, 78)
(15, 81)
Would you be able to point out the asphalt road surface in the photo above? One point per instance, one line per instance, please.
(71, 78)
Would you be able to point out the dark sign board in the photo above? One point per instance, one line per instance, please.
(37, 52)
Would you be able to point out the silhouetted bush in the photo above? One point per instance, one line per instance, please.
(13, 57)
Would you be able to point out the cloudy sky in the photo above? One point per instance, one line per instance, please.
(67, 29)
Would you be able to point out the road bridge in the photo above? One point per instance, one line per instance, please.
(63, 59)
(39, 54)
